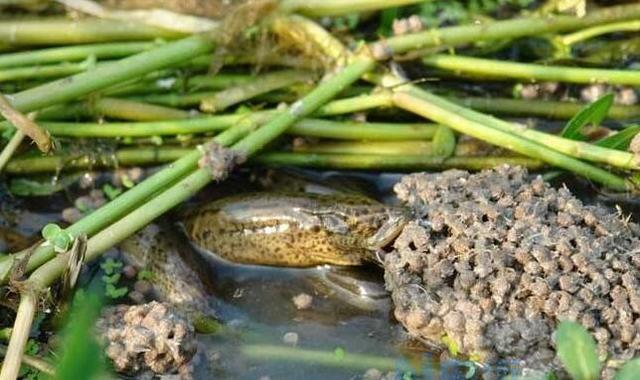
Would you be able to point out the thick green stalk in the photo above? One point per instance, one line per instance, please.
(507, 29)
(45, 71)
(543, 108)
(585, 34)
(261, 84)
(305, 106)
(362, 131)
(103, 76)
(343, 130)
(496, 69)
(578, 149)
(377, 162)
(131, 110)
(430, 106)
(62, 31)
(176, 83)
(74, 53)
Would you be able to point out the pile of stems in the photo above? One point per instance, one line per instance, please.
(137, 207)
(53, 268)
(423, 103)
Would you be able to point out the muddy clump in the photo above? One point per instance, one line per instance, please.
(147, 338)
(495, 260)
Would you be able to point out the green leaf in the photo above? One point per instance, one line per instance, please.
(619, 140)
(113, 292)
(81, 357)
(594, 113)
(629, 371)
(111, 192)
(111, 279)
(577, 351)
(145, 275)
(109, 266)
(444, 142)
(386, 21)
(50, 231)
(339, 352)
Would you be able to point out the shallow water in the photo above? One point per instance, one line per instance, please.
(256, 304)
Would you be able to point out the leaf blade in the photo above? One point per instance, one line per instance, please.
(593, 113)
(577, 351)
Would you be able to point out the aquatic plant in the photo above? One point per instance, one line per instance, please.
(245, 134)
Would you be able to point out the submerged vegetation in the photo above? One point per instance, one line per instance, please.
(402, 85)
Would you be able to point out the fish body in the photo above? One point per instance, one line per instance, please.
(294, 229)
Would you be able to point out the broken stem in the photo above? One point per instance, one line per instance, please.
(25, 125)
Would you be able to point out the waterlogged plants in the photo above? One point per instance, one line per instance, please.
(158, 100)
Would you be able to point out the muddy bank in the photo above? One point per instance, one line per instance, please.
(495, 260)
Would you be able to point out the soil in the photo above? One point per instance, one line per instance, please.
(495, 260)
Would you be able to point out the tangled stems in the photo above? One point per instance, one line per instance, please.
(492, 69)
(507, 29)
(136, 219)
(403, 162)
(430, 106)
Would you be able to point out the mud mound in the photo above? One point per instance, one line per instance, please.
(496, 259)
(147, 338)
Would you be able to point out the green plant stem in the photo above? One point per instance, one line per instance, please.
(113, 108)
(578, 149)
(177, 83)
(247, 146)
(128, 156)
(342, 130)
(495, 69)
(74, 53)
(10, 148)
(70, 88)
(378, 162)
(44, 72)
(160, 155)
(544, 108)
(585, 34)
(328, 89)
(261, 84)
(496, 30)
(430, 106)
(319, 8)
(397, 148)
(131, 110)
(61, 31)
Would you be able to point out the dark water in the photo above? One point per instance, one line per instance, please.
(339, 337)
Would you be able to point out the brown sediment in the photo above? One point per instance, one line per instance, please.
(496, 259)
